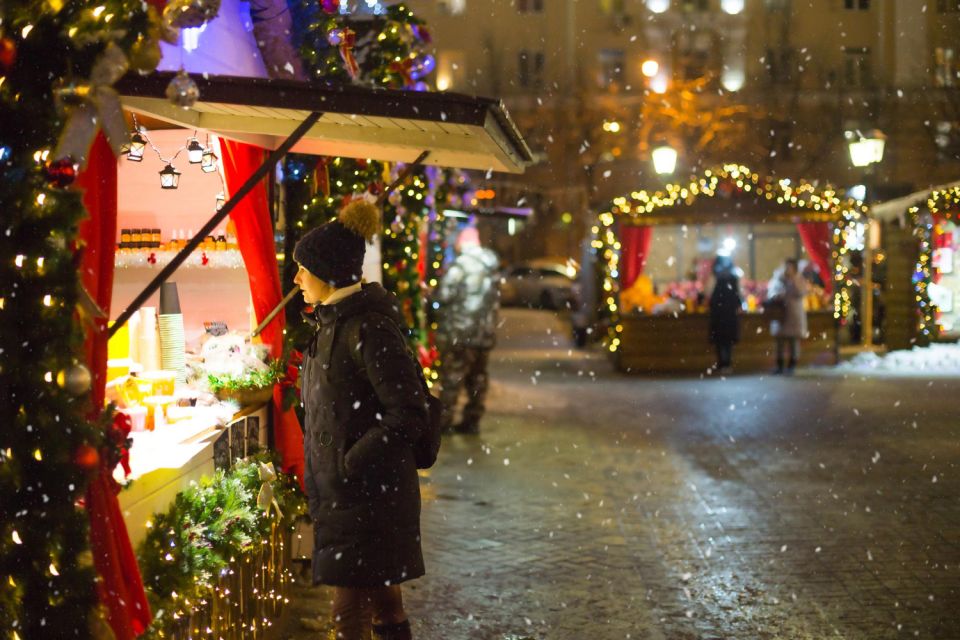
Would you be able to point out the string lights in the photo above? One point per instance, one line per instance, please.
(941, 205)
(731, 180)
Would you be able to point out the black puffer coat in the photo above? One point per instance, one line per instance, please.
(725, 303)
(361, 420)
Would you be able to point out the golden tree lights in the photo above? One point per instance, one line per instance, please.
(726, 181)
(943, 205)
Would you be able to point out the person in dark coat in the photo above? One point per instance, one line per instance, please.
(725, 306)
(364, 410)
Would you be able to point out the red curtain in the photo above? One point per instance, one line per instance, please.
(120, 587)
(251, 216)
(816, 240)
(634, 246)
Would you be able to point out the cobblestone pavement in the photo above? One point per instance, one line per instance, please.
(599, 506)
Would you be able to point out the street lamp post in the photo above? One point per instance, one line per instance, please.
(664, 160)
(866, 151)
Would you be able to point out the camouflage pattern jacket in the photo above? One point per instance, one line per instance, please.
(469, 298)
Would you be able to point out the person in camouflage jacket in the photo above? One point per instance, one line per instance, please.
(469, 298)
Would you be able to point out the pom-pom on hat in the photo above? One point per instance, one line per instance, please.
(334, 251)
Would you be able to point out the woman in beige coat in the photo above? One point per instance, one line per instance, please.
(789, 289)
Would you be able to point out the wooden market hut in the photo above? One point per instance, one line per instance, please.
(679, 342)
(922, 277)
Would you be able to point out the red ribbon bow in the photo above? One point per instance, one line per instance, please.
(345, 40)
(322, 175)
(119, 435)
(404, 69)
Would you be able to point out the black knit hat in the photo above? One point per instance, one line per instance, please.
(334, 251)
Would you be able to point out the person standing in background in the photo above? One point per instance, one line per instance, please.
(788, 289)
(469, 298)
(723, 292)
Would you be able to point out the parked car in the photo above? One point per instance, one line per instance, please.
(543, 284)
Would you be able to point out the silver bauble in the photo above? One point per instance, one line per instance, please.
(75, 380)
(182, 90)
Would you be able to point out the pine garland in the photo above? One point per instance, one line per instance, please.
(46, 441)
(208, 525)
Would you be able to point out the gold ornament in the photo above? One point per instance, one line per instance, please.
(145, 53)
(99, 627)
(185, 14)
(75, 380)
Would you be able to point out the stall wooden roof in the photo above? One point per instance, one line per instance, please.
(459, 130)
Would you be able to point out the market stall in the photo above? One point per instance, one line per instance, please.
(653, 331)
(78, 222)
(181, 341)
(921, 240)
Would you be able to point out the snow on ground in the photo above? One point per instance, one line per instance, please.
(935, 360)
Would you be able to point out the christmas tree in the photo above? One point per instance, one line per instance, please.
(384, 50)
(57, 60)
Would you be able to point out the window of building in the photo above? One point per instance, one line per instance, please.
(948, 6)
(610, 63)
(857, 68)
(856, 4)
(530, 65)
(946, 73)
(612, 7)
(530, 6)
(658, 6)
(452, 7)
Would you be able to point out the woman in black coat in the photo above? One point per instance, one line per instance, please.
(365, 409)
(725, 305)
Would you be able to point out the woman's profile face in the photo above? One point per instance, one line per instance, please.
(314, 290)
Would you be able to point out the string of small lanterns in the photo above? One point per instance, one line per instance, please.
(197, 154)
(804, 195)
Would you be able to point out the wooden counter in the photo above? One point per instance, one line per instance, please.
(681, 344)
(164, 463)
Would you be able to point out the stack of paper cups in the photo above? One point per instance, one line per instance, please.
(149, 347)
(133, 329)
(172, 340)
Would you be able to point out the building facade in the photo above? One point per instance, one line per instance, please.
(778, 85)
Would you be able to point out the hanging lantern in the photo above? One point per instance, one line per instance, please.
(221, 200)
(169, 177)
(195, 151)
(137, 146)
(208, 163)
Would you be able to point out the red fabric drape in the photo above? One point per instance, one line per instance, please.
(120, 588)
(251, 216)
(634, 245)
(816, 240)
